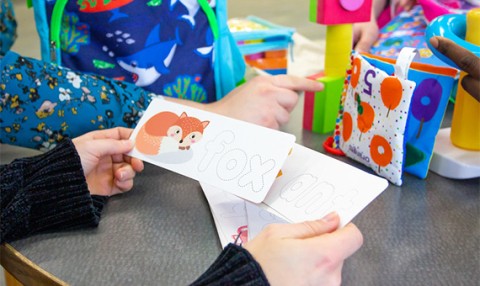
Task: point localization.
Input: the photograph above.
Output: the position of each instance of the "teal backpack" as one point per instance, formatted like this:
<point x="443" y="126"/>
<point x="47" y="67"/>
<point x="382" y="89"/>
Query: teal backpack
<point x="178" y="48"/>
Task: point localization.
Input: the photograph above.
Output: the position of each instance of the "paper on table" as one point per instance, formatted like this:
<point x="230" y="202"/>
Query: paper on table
<point x="236" y="156"/>
<point x="229" y="214"/>
<point x="258" y="217"/>
<point x="313" y="184"/>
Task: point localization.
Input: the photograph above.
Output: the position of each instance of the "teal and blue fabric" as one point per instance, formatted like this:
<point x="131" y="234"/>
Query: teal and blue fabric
<point x="42" y="103"/>
<point x="8" y="26"/>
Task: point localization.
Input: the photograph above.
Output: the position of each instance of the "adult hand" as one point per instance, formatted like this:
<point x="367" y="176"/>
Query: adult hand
<point x="107" y="170"/>
<point x="465" y="60"/>
<point x="309" y="253"/>
<point x="264" y="100"/>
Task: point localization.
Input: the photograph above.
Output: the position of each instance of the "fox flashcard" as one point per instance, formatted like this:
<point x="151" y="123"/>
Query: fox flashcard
<point x="167" y="132"/>
<point x="239" y="157"/>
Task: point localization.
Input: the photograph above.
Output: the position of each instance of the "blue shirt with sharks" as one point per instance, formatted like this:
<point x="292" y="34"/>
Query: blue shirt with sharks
<point x="163" y="46"/>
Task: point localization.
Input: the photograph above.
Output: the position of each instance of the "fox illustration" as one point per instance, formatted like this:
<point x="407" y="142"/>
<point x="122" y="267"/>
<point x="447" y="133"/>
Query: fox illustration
<point x="168" y="132"/>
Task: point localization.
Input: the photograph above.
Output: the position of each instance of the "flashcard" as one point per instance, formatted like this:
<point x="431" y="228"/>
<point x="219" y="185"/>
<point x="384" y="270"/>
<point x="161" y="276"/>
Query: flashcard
<point x="312" y="185"/>
<point x="233" y="155"/>
<point x="258" y="217"/>
<point x="228" y="213"/>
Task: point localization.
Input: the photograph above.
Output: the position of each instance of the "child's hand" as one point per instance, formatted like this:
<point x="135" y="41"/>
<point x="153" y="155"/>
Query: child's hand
<point x="365" y="35"/>
<point x="107" y="170"/>
<point x="264" y="100"/>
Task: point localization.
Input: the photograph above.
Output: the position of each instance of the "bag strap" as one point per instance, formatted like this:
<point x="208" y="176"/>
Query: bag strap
<point x="55" y="26"/>
<point x="212" y="18"/>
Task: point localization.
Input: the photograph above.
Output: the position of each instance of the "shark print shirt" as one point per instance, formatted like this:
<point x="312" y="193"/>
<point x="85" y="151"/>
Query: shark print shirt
<point x="163" y="46"/>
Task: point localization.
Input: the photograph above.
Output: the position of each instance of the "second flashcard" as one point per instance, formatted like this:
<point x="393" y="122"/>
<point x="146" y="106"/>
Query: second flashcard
<point x="236" y="156"/>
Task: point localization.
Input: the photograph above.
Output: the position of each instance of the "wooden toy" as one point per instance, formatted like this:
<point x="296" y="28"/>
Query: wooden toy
<point x="332" y="12"/>
<point x="309" y="102"/>
<point x="321" y="108"/>
<point x="326" y="103"/>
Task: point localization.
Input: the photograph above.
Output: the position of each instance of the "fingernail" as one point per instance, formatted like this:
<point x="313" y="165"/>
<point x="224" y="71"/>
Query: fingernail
<point x="330" y="217"/>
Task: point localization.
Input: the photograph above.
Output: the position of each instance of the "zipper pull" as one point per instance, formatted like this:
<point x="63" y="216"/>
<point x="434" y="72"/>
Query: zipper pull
<point x="53" y="52"/>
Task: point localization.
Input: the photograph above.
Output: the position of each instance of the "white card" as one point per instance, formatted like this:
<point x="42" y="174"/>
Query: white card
<point x="258" y="217"/>
<point x="229" y="214"/>
<point x="235" y="156"/>
<point x="313" y="185"/>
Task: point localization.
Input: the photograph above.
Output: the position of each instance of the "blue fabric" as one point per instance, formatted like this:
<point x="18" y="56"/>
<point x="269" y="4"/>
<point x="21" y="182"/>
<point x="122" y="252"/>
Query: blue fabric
<point x="171" y="41"/>
<point x="229" y="65"/>
<point x="407" y="29"/>
<point x="41" y="103"/>
<point x="427" y="108"/>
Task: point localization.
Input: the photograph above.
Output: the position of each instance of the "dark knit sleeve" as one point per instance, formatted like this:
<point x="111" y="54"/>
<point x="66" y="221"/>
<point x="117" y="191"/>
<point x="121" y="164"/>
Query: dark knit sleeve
<point x="234" y="266"/>
<point x="45" y="193"/>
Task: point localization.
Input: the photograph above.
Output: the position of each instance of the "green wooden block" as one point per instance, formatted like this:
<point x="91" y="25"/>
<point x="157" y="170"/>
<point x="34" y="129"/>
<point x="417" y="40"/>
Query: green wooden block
<point x="313" y="11"/>
<point x="327" y="103"/>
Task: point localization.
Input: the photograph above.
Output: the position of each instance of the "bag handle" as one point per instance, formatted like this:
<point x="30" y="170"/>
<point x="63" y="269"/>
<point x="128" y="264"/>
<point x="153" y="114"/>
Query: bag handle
<point x="212" y="18"/>
<point x="55" y="26"/>
<point x="404" y="60"/>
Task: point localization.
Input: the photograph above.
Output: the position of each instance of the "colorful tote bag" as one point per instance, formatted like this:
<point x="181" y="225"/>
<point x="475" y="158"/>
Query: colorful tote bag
<point x="374" y="114"/>
<point x="178" y="48"/>
<point x="430" y="98"/>
<point x="410" y="135"/>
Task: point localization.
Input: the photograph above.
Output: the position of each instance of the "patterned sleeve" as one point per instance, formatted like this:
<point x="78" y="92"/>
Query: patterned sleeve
<point x="45" y="193"/>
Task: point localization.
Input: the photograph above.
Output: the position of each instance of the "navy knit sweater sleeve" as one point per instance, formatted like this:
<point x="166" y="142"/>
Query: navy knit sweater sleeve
<point x="234" y="266"/>
<point x="47" y="192"/>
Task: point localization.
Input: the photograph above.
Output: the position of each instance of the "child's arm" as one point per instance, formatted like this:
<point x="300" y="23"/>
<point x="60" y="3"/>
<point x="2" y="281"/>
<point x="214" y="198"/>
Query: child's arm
<point x="366" y="33"/>
<point x="263" y="100"/>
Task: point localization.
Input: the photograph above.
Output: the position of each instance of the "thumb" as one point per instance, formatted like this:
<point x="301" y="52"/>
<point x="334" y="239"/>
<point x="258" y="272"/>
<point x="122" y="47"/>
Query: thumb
<point x="105" y="147"/>
<point x="314" y="228"/>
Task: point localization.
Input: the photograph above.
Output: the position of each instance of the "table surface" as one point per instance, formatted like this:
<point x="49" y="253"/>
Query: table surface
<point x="162" y="232"/>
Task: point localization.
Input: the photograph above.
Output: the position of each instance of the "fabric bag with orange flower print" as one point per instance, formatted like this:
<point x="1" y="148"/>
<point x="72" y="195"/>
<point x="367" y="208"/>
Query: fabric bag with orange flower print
<point x="373" y="115"/>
